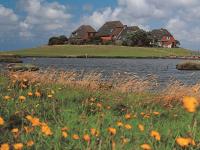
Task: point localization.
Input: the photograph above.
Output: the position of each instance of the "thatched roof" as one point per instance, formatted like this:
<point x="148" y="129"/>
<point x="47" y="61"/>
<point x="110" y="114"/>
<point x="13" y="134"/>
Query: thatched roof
<point x="82" y="31"/>
<point x="159" y="33"/>
<point x="109" y="28"/>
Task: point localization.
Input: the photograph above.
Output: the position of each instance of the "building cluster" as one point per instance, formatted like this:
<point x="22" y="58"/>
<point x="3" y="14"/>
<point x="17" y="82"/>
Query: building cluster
<point x="116" y="32"/>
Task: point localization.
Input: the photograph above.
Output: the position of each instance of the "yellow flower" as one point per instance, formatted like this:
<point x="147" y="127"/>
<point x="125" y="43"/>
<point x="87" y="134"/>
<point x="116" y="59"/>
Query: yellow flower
<point x="30" y="94"/>
<point x="4" y="146"/>
<point x="30" y="143"/>
<point x="7" y="98"/>
<point x="46" y="130"/>
<point x="112" y="131"/>
<point x="22" y="98"/>
<point x="119" y="124"/>
<point x="75" y="137"/>
<point x="18" y="146"/>
<point x="50" y="96"/>
<point x="94" y="132"/>
<point x="185" y="142"/>
<point x="1" y="121"/>
<point x="190" y="104"/>
<point x="15" y="130"/>
<point x="86" y="138"/>
<point x="128" y="126"/>
<point x="145" y="147"/>
<point x="64" y="134"/>
<point x="128" y="116"/>
<point x="141" y="127"/>
<point x="155" y="135"/>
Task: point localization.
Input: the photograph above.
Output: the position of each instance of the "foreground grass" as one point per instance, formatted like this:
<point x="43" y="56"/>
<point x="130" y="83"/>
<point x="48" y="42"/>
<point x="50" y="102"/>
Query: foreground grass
<point x="65" y="112"/>
<point x="100" y="51"/>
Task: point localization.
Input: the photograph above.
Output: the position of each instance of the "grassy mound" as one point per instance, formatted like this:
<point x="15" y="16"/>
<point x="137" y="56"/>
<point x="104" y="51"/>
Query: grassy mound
<point x="100" y="51"/>
<point x="189" y="65"/>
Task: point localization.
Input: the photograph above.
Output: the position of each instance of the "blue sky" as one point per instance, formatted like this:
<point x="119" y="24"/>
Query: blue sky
<point x="29" y="23"/>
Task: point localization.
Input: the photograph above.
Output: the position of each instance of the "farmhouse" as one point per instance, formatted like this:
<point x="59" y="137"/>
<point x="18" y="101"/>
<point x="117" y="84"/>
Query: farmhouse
<point x="162" y="38"/>
<point x="110" y="31"/>
<point x="83" y="34"/>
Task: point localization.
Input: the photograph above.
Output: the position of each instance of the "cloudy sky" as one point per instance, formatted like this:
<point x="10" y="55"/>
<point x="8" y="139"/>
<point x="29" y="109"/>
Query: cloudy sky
<point x="29" y="23"/>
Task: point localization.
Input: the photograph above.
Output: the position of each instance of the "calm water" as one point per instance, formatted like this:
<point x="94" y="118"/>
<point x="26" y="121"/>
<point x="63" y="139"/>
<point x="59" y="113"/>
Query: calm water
<point x="164" y="69"/>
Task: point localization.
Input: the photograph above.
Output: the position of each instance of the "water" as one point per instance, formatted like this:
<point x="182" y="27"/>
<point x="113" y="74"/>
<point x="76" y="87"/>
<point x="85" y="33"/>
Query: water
<point x="164" y="69"/>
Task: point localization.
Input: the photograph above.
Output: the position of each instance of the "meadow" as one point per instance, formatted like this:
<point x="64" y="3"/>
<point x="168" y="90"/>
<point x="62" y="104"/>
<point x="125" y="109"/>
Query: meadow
<point x="100" y="51"/>
<point x="67" y="110"/>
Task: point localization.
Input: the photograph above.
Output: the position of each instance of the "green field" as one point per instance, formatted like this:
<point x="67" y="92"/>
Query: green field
<point x="39" y="115"/>
<point x="100" y="51"/>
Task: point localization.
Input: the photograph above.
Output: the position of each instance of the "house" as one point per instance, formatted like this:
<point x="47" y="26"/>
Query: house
<point x="162" y="38"/>
<point x="110" y="31"/>
<point x="124" y="33"/>
<point x="82" y="35"/>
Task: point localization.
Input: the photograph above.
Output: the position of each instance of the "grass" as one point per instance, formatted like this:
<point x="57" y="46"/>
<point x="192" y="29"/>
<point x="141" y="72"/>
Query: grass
<point x="100" y="51"/>
<point x="79" y="109"/>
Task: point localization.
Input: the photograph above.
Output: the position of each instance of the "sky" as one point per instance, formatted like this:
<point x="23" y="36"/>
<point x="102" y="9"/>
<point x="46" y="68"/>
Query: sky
<point x="30" y="23"/>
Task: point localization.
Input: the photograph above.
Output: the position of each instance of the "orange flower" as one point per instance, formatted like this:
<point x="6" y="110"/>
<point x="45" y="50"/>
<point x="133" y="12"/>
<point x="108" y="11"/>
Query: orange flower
<point x="190" y="104"/>
<point x="64" y="134"/>
<point x="75" y="137"/>
<point x="155" y="135"/>
<point x="46" y="130"/>
<point x="99" y="105"/>
<point x="141" y="127"/>
<point x="185" y="142"/>
<point x="112" y="131"/>
<point x="94" y="132"/>
<point x="18" y="146"/>
<point x="30" y="143"/>
<point x="1" y="121"/>
<point x="22" y="98"/>
<point x="86" y="138"/>
<point x="50" y="96"/>
<point x="156" y="113"/>
<point x="30" y="94"/>
<point x="7" y="98"/>
<point x="28" y="129"/>
<point x="37" y="94"/>
<point x="65" y="129"/>
<point x="15" y="130"/>
<point x="35" y="121"/>
<point x="128" y="126"/>
<point x="146" y="147"/>
<point x="119" y="124"/>
<point x="4" y="146"/>
<point x="128" y="116"/>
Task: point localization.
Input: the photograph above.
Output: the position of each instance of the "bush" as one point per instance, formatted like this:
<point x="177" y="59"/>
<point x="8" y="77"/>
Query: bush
<point x="61" y="40"/>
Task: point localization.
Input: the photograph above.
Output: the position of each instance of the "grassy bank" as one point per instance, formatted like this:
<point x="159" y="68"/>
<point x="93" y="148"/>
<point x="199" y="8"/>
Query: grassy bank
<point x="40" y="113"/>
<point x="100" y="51"/>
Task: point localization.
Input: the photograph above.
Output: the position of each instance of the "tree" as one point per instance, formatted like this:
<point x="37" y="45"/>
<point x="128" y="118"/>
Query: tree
<point x="58" y="40"/>
<point x="178" y="43"/>
<point x="138" y="38"/>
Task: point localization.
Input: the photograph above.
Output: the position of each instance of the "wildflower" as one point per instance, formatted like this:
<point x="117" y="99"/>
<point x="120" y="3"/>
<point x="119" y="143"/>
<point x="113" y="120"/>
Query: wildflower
<point x="22" y="98"/>
<point x="5" y="146"/>
<point x="99" y="105"/>
<point x="185" y="142"/>
<point x="15" y="130"/>
<point x="141" y="127"/>
<point x="108" y="107"/>
<point x="128" y="126"/>
<point x="30" y="94"/>
<point x="146" y="147"/>
<point x="52" y="92"/>
<point x="125" y="140"/>
<point x="50" y="96"/>
<point x="1" y="121"/>
<point x="146" y="116"/>
<point x="37" y="94"/>
<point x="46" y="130"/>
<point x="86" y="138"/>
<point x="142" y="113"/>
<point x="112" y="131"/>
<point x="119" y="124"/>
<point x="75" y="137"/>
<point x="30" y="143"/>
<point x="94" y="132"/>
<point x="156" y="113"/>
<point x="65" y="129"/>
<point x="190" y="104"/>
<point x="35" y="121"/>
<point x="28" y="129"/>
<point x="18" y="146"/>
<point x="64" y="134"/>
<point x="7" y="98"/>
<point x="128" y="116"/>
<point x="155" y="135"/>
